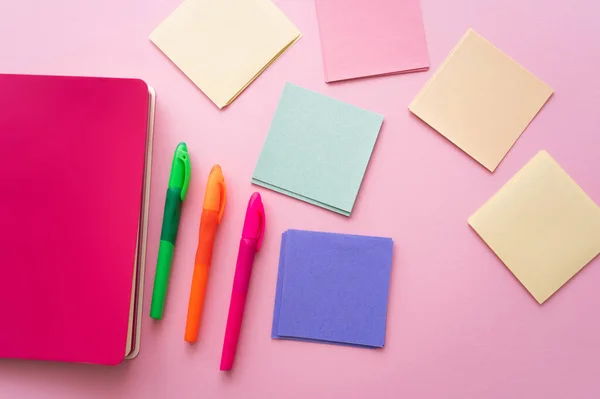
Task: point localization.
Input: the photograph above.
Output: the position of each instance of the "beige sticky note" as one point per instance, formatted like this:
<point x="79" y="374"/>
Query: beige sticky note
<point x="223" y="45"/>
<point x="542" y="225"/>
<point x="481" y="100"/>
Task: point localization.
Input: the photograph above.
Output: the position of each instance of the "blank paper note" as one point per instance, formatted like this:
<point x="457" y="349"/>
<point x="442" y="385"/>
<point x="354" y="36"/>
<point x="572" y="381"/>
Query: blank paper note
<point x="481" y="100"/>
<point x="333" y="288"/>
<point x="371" y="37"/>
<point x="542" y="225"/>
<point x="223" y="45"/>
<point x="317" y="149"/>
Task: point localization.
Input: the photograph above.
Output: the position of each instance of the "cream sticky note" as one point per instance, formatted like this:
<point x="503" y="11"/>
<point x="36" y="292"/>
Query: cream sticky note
<point x="223" y="45"/>
<point x="542" y="225"/>
<point x="481" y="100"/>
<point x="390" y="40"/>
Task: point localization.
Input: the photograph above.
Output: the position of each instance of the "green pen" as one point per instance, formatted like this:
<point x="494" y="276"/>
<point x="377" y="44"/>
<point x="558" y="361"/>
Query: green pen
<point x="179" y="180"/>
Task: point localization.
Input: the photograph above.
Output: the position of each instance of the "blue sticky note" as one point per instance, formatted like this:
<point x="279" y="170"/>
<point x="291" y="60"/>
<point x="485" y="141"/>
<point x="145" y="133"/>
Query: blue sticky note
<point x="317" y="149"/>
<point x="332" y="288"/>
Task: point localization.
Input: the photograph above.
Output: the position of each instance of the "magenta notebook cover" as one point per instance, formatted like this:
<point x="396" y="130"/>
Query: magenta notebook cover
<point x="72" y="157"/>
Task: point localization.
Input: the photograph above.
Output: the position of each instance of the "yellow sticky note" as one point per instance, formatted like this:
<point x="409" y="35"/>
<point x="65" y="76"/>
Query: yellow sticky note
<point x="223" y="45"/>
<point x="542" y="225"/>
<point x="481" y="100"/>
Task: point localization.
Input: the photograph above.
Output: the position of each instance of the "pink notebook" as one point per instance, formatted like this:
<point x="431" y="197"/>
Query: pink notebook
<point x="362" y="38"/>
<point x="74" y="177"/>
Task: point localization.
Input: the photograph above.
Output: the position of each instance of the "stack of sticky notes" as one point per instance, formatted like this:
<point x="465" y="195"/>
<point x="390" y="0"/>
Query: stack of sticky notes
<point x="317" y="149"/>
<point x="333" y="288"/>
<point x="481" y="100"/>
<point x="542" y="225"/>
<point x="223" y="45"/>
<point x="362" y="38"/>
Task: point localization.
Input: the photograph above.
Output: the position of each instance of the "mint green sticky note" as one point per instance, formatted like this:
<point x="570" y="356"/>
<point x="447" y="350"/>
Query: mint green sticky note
<point x="317" y="149"/>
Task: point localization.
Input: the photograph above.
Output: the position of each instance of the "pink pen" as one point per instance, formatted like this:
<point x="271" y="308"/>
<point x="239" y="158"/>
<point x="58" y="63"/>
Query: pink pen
<point x="252" y="235"/>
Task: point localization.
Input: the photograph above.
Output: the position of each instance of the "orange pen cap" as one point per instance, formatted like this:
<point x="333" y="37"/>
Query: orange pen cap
<point x="216" y="192"/>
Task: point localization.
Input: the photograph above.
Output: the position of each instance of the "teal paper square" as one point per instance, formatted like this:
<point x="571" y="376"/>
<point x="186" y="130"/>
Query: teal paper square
<point x="317" y="149"/>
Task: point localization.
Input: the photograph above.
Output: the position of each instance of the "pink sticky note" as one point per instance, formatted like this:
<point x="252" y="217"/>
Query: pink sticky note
<point x="362" y="38"/>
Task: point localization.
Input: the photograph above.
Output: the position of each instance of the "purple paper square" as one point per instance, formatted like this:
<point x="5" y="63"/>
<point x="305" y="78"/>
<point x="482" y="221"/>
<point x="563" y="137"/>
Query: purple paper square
<point x="332" y="288"/>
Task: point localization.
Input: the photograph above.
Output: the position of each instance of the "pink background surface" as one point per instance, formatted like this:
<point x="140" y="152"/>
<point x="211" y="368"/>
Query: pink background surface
<point x="459" y="324"/>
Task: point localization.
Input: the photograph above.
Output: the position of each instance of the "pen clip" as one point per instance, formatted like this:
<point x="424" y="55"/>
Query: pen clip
<point x="184" y="157"/>
<point x="254" y="222"/>
<point x="261" y="219"/>
<point x="222" y="198"/>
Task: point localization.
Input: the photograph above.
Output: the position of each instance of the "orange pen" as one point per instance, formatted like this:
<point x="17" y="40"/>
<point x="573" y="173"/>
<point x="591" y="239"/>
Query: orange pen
<point x="212" y="212"/>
